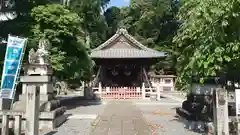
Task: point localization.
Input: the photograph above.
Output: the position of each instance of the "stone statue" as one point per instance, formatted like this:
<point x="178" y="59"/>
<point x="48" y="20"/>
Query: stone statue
<point x="60" y="87"/>
<point x="31" y="56"/>
<point x="41" y="55"/>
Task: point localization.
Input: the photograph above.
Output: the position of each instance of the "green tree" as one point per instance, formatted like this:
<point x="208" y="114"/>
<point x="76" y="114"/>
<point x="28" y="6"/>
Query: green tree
<point x="154" y="23"/>
<point x="208" y="39"/>
<point x="113" y="17"/>
<point x="18" y="23"/>
<point x="94" y="23"/>
<point x="61" y="27"/>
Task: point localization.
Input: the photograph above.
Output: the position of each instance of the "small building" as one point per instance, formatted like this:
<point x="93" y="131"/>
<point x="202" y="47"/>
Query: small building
<point x="122" y="65"/>
<point x="166" y="81"/>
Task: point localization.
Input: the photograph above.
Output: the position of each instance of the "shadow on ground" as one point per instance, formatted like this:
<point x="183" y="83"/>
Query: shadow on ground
<point x="163" y="97"/>
<point x="74" y="102"/>
<point x="178" y="119"/>
<point x="51" y="133"/>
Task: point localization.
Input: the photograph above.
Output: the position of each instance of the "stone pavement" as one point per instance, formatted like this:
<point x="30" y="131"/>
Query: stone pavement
<point x="121" y="118"/>
<point x="162" y="119"/>
<point x="135" y="117"/>
<point x="81" y="114"/>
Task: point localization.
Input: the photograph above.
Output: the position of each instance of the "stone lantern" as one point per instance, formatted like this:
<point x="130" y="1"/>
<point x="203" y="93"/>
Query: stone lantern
<point x="38" y="73"/>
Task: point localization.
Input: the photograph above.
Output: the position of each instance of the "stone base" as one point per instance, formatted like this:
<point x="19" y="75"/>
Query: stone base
<point x="45" y="123"/>
<point x="21" y="106"/>
<point x="51" y="113"/>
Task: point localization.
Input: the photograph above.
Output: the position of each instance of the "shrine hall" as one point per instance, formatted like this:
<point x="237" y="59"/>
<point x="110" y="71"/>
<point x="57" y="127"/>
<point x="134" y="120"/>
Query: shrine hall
<point x="122" y="61"/>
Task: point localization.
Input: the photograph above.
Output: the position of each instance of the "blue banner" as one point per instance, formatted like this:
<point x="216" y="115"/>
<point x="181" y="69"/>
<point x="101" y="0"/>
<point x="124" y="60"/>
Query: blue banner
<point x="12" y="65"/>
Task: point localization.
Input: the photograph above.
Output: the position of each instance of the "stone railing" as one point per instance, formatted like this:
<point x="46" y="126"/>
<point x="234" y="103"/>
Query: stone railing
<point x="6" y="115"/>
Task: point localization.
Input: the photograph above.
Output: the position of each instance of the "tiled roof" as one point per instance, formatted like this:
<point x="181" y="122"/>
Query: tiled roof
<point x="140" y="52"/>
<point x="126" y="53"/>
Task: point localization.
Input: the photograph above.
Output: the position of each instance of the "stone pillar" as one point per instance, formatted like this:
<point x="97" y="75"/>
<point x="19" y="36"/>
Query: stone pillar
<point x="5" y="124"/>
<point x="32" y="109"/>
<point x="220" y="112"/>
<point x="17" y="125"/>
<point x="143" y="91"/>
<point x="46" y="89"/>
<point x="33" y="84"/>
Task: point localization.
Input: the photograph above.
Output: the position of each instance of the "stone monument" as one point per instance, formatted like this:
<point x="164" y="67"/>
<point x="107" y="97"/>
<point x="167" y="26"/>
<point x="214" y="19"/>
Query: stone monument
<point x="51" y="113"/>
<point x="32" y="104"/>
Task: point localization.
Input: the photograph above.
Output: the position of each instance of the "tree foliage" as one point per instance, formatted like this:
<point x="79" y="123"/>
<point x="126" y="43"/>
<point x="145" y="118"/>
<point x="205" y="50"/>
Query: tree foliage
<point x="150" y="21"/>
<point x="93" y="24"/>
<point x="18" y="25"/>
<point x="153" y="23"/>
<point x="62" y="28"/>
<point x="113" y="18"/>
<point x="208" y="39"/>
<point x="202" y="38"/>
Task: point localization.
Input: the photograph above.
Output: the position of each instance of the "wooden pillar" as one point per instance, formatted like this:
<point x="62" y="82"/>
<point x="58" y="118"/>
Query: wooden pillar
<point x="141" y="74"/>
<point x="17" y="125"/>
<point x="173" y="87"/>
<point x="101" y="73"/>
<point x="5" y="124"/>
<point x="100" y="87"/>
<point x="158" y="91"/>
<point x="220" y="112"/>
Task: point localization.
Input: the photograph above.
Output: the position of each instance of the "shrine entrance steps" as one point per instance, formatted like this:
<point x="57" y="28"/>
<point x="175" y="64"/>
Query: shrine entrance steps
<point x="121" y="93"/>
<point x="121" y="118"/>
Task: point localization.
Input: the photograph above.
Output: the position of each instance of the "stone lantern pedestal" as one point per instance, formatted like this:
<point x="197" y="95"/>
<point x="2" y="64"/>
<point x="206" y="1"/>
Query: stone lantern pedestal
<point x="51" y="113"/>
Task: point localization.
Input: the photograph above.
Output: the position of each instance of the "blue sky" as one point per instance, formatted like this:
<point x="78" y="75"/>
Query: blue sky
<point x="119" y="3"/>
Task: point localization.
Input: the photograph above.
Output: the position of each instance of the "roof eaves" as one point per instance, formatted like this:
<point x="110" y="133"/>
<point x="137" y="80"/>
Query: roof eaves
<point x="128" y="36"/>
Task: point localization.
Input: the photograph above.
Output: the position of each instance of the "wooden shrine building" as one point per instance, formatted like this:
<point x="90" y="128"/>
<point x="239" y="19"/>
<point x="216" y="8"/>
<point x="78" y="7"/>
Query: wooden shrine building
<point x="123" y="62"/>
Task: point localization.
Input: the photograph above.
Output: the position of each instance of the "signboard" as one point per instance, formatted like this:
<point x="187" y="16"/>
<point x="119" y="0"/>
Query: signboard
<point x="12" y="65"/>
<point x="237" y="99"/>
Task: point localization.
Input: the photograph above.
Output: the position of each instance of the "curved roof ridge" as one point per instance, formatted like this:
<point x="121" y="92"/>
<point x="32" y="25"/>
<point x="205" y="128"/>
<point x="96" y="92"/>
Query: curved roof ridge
<point x="125" y="33"/>
<point x="142" y="52"/>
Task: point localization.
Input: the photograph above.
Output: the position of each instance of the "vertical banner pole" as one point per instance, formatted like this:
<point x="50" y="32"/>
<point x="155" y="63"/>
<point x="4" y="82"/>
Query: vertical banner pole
<point x="12" y="65"/>
<point x="18" y="72"/>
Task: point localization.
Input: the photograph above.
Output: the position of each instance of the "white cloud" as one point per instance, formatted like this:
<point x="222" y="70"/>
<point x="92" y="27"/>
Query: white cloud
<point x="126" y="1"/>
